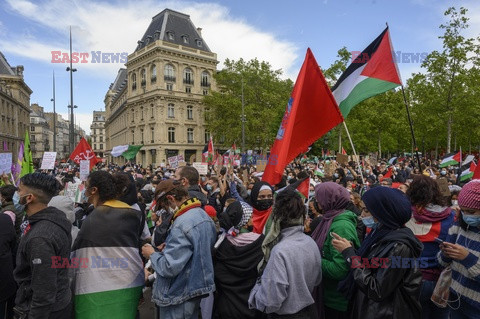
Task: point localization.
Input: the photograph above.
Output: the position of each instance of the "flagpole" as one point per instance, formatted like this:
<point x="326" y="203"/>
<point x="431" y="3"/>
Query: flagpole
<point x="411" y="128"/>
<point x="459" y="168"/>
<point x="353" y="148"/>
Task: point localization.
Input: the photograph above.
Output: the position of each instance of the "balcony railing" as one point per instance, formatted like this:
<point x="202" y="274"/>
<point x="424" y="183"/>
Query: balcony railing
<point x="169" y="78"/>
<point x="188" y="81"/>
<point x="153" y="79"/>
<point x="205" y="84"/>
<point x="134" y="86"/>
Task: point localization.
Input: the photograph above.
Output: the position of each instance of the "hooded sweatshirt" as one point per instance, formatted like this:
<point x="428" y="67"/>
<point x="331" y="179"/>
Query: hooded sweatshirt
<point x="42" y="288"/>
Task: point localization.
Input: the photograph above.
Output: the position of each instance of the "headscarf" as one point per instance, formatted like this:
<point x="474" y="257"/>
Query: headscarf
<point x="333" y="199"/>
<point x="233" y="219"/>
<point x="254" y="194"/>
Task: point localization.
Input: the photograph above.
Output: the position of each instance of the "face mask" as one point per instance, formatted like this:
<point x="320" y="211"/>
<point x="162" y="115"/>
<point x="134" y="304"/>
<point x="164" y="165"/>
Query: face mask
<point x="455" y="202"/>
<point x="249" y="191"/>
<point x="16" y="202"/>
<point x="335" y="175"/>
<point x="264" y="204"/>
<point x="289" y="177"/>
<point x="209" y="187"/>
<point x="311" y="194"/>
<point x="321" y="167"/>
<point x="367" y="171"/>
<point x="153" y="189"/>
<point x="369" y="222"/>
<point x="472" y="220"/>
<point x="443" y="173"/>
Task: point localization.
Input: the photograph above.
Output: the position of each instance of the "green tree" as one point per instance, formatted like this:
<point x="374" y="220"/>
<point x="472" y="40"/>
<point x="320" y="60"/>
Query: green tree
<point x="265" y="97"/>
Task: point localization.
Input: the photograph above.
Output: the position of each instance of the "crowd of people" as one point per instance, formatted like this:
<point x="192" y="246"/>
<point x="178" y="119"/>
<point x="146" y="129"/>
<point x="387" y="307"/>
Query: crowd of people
<point x="377" y="240"/>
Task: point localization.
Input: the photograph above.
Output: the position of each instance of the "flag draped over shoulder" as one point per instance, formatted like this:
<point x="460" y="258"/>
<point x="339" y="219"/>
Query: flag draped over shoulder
<point x="311" y="112"/>
<point x="83" y="151"/>
<point x="450" y="159"/>
<point x="27" y="160"/>
<point x="109" y="281"/>
<point x="372" y="72"/>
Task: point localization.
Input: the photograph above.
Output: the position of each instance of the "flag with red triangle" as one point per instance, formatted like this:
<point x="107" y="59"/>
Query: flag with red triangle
<point x="476" y="173"/>
<point x="372" y="72"/>
<point x="343" y="151"/>
<point x="451" y="159"/>
<point x="311" y="105"/>
<point x="388" y="174"/>
<point x="84" y="151"/>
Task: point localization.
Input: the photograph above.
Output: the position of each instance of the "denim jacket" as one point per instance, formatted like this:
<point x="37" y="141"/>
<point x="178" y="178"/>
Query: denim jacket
<point x="184" y="268"/>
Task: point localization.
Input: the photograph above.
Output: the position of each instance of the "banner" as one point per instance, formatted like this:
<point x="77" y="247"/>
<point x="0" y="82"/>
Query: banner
<point x="5" y="163"/>
<point x="48" y="161"/>
<point x="174" y="161"/>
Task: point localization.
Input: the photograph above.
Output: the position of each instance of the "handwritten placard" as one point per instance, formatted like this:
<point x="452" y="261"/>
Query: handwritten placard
<point x="202" y="168"/>
<point x="48" y="161"/>
<point x="5" y="163"/>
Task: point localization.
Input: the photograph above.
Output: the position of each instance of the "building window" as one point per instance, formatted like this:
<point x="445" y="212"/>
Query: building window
<point x="153" y="72"/>
<point x="188" y="89"/>
<point x="101" y="146"/>
<point x="190" y="112"/>
<point x="171" y="35"/>
<point x="190" y="135"/>
<point x="32" y="128"/>
<point x="169" y="74"/>
<point x="134" y="81"/>
<point x="205" y="92"/>
<point x="185" y="39"/>
<point x="133" y="137"/>
<point x="94" y="139"/>
<point x="171" y="135"/>
<point x="153" y="110"/>
<point x="141" y="110"/>
<point x="143" y="75"/>
<point x="205" y="79"/>
<point x="141" y="135"/>
<point x="207" y="137"/>
<point x="152" y="134"/>
<point x="101" y="138"/>
<point x="187" y="76"/>
<point x="171" y="111"/>
<point x="199" y="42"/>
<point x="169" y="86"/>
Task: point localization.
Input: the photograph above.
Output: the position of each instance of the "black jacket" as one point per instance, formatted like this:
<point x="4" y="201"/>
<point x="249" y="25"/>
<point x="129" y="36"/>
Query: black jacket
<point x="388" y="292"/>
<point x="195" y="191"/>
<point x="43" y="288"/>
<point x="8" y="243"/>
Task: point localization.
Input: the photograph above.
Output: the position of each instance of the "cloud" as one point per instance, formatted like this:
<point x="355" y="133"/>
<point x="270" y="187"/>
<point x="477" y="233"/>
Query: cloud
<point x="117" y="26"/>
<point x="82" y="119"/>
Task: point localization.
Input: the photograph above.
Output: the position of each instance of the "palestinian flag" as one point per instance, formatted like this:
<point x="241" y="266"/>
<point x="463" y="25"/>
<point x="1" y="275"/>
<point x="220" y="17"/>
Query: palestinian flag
<point x="372" y="72"/>
<point x="110" y="277"/>
<point x="467" y="171"/>
<point x="318" y="172"/>
<point x="301" y="186"/>
<point x="450" y="159"/>
<point x="127" y="151"/>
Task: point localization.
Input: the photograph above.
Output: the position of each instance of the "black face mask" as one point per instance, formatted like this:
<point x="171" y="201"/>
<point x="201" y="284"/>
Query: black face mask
<point x="264" y="204"/>
<point x="250" y="228"/>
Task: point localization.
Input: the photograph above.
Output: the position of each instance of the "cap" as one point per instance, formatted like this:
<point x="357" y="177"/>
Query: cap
<point x="165" y="187"/>
<point x="469" y="196"/>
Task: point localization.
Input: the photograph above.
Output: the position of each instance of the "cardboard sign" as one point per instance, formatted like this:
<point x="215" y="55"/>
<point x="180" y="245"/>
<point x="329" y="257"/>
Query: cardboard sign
<point x="261" y="164"/>
<point x="84" y="169"/>
<point x="48" y="161"/>
<point x="245" y="176"/>
<point x="236" y="162"/>
<point x="443" y="185"/>
<point x="71" y="190"/>
<point x="5" y="163"/>
<point x="202" y="168"/>
<point x="342" y="159"/>
<point x="173" y="161"/>
<point x="329" y="169"/>
<point x="226" y="160"/>
<point x="372" y="159"/>
<point x="182" y="163"/>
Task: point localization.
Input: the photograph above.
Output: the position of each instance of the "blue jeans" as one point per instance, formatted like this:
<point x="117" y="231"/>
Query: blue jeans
<point x="187" y="310"/>
<point x="429" y="309"/>
<point x="465" y="311"/>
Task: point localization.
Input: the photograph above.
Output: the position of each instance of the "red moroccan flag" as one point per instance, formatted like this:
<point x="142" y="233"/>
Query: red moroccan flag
<point x="311" y="112"/>
<point x="83" y="151"/>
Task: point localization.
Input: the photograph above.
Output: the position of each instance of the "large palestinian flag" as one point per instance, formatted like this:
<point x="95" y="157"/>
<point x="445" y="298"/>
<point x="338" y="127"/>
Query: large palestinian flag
<point x="109" y="277"/>
<point x="450" y="159"/>
<point x="372" y="72"/>
<point x="467" y="171"/>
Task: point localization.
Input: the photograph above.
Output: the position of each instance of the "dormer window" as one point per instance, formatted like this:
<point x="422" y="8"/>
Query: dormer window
<point x="170" y="35"/>
<point x="199" y="42"/>
<point x="185" y="39"/>
<point x="156" y="35"/>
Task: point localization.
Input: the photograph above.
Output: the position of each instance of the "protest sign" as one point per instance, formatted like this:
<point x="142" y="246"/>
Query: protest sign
<point x="48" y="161"/>
<point x="5" y="163"/>
<point x="261" y="164"/>
<point x="202" y="168"/>
<point x="84" y="169"/>
<point x="342" y="159"/>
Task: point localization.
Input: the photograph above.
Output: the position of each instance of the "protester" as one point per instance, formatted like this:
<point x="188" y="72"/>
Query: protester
<point x="333" y="199"/>
<point x="43" y="289"/>
<point x="261" y="199"/>
<point x="189" y="178"/>
<point x="461" y="250"/>
<point x="236" y="258"/>
<point x="111" y="284"/>
<point x="183" y="265"/>
<point x="376" y="290"/>
<point x="292" y="263"/>
<point x="431" y="219"/>
<point x="7" y="206"/>
<point x="8" y="248"/>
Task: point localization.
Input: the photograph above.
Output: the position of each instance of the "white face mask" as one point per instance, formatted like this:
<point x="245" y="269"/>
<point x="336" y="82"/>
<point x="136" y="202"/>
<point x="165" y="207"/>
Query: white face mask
<point x="454" y="202"/>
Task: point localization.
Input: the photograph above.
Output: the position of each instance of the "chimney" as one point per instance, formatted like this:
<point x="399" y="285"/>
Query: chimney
<point x="199" y="30"/>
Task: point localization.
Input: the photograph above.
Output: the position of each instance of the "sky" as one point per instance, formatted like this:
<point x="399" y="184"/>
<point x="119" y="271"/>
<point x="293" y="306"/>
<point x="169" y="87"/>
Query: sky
<point x="275" y="31"/>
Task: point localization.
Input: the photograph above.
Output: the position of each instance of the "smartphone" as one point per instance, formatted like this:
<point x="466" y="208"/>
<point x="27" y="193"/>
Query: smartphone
<point x="438" y="240"/>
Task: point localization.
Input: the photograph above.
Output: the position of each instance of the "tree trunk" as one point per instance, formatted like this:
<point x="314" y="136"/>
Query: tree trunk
<point x="449" y="132"/>
<point x="379" y="145"/>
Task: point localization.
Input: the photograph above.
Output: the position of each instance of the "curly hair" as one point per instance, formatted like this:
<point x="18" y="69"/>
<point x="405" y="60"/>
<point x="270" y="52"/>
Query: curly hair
<point x="109" y="186"/>
<point x="288" y="207"/>
<point x="423" y="191"/>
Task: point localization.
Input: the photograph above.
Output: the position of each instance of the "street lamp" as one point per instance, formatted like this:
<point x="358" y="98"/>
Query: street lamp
<point x="54" y="117"/>
<point x="71" y="70"/>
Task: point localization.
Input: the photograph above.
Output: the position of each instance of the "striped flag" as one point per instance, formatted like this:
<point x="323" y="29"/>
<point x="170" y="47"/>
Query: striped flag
<point x="111" y="283"/>
<point x="468" y="159"/>
<point x="450" y="159"/>
<point x="372" y="72"/>
<point x="467" y="171"/>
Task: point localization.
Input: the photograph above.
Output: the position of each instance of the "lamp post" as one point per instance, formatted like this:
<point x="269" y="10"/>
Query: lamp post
<point x="71" y="70"/>
<point x="243" y="120"/>
<point x="54" y="117"/>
